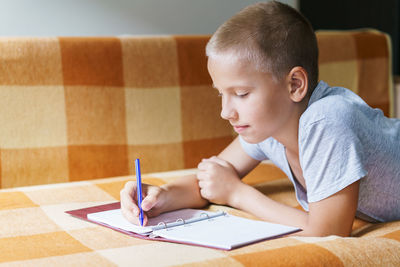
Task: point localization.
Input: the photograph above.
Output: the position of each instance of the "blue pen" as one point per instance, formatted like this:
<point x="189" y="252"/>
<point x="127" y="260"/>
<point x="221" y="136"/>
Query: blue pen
<point x="139" y="190"/>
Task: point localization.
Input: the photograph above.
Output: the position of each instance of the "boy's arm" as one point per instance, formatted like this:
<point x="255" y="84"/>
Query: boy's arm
<point x="331" y="216"/>
<point x="219" y="182"/>
<point x="219" y="176"/>
<point x="185" y="192"/>
<point x="335" y="214"/>
<point x="182" y="193"/>
<point x="238" y="158"/>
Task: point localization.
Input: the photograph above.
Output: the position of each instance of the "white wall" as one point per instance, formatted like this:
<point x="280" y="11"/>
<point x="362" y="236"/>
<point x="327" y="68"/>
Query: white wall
<point x="115" y="17"/>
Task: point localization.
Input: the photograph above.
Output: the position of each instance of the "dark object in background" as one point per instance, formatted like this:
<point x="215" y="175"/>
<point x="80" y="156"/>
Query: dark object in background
<point x="352" y="14"/>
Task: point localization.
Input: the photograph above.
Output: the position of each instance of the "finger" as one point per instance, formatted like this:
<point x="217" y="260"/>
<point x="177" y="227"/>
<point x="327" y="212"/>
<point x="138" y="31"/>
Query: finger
<point x="134" y="218"/>
<point x="145" y="219"/>
<point x="149" y="202"/>
<point x="219" y="161"/>
<point x="129" y="207"/>
<point x="202" y="165"/>
<point x="201" y="184"/>
<point x="206" y="165"/>
<point x="152" y="198"/>
<point x="202" y="175"/>
<point x="127" y="202"/>
<point x="134" y="210"/>
<point x="208" y="159"/>
<point x="130" y="216"/>
<point x="129" y="197"/>
<point x="204" y="193"/>
<point x="130" y="188"/>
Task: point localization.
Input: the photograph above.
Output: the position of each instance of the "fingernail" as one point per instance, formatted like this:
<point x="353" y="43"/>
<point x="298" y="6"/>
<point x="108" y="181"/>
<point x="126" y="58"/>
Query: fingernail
<point x="144" y="205"/>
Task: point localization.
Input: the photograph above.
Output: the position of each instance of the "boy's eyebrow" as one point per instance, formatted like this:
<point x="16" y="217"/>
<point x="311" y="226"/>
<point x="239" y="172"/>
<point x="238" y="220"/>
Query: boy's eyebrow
<point x="232" y="87"/>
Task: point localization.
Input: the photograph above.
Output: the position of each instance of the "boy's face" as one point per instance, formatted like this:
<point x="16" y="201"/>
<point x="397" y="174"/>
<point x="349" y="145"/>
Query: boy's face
<point x="257" y="105"/>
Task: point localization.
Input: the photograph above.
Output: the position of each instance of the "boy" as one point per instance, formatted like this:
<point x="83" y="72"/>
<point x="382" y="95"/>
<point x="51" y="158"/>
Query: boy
<point x="342" y="156"/>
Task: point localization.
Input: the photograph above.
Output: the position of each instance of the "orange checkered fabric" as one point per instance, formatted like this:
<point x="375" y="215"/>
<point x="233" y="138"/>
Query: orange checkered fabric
<point x="361" y="61"/>
<point x="36" y="231"/>
<point x="84" y="108"/>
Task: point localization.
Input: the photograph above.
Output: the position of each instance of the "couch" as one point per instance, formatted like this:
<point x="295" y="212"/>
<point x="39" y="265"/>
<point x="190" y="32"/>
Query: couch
<point x="76" y="111"/>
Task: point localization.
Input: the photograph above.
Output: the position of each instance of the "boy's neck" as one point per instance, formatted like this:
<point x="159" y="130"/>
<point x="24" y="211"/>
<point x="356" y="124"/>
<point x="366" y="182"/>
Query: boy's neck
<point x="289" y="135"/>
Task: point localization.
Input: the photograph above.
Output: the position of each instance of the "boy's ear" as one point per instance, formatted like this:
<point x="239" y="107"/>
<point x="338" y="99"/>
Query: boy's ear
<point x="298" y="83"/>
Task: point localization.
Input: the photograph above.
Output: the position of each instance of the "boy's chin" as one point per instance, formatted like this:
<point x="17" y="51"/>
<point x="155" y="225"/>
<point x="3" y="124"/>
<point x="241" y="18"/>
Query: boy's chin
<point x="253" y="139"/>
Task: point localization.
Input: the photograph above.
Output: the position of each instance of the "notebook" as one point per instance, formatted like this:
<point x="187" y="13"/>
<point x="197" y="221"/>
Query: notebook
<point x="218" y="230"/>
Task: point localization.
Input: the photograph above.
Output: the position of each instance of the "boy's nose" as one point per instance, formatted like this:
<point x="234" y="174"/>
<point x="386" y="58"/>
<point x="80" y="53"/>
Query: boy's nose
<point x="228" y="112"/>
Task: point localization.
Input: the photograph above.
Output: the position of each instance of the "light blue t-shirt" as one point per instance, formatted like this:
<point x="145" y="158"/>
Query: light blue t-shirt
<point x="342" y="140"/>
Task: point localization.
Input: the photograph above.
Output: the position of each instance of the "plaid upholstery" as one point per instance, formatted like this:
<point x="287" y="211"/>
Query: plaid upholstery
<point x="358" y="60"/>
<point x="35" y="231"/>
<point x="84" y="108"/>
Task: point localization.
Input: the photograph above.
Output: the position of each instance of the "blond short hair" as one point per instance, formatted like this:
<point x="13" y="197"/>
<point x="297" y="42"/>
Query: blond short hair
<point x="273" y="36"/>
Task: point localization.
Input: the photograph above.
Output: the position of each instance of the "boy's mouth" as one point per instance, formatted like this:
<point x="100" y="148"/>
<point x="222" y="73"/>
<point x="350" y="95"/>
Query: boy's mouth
<point x="240" y="128"/>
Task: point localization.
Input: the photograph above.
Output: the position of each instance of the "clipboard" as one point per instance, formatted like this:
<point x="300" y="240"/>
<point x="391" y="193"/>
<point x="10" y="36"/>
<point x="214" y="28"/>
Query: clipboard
<point x="218" y="230"/>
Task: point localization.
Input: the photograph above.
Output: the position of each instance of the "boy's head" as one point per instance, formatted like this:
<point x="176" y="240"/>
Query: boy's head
<point x="273" y="37"/>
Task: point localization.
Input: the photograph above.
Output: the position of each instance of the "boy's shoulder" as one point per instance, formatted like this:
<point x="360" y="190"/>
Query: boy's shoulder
<point x="335" y="105"/>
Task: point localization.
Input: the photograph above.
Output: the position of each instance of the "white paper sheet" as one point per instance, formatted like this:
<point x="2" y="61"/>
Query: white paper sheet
<point x="225" y="231"/>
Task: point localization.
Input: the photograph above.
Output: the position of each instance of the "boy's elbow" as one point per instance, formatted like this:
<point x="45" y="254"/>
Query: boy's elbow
<point x="310" y="231"/>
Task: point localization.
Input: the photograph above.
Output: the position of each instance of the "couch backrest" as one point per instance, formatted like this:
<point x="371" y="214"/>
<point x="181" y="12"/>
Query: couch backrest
<point x="361" y="61"/>
<point x="84" y="108"/>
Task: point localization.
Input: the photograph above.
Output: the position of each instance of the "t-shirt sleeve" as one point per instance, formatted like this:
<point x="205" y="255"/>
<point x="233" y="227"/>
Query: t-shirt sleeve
<point x="253" y="150"/>
<point x="331" y="157"/>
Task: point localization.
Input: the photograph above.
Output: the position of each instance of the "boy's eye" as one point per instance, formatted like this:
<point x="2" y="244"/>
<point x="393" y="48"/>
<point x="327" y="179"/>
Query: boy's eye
<point x="242" y="94"/>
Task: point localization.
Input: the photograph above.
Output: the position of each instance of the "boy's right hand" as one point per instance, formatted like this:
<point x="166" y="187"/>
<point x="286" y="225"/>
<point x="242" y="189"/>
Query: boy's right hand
<point x="151" y="203"/>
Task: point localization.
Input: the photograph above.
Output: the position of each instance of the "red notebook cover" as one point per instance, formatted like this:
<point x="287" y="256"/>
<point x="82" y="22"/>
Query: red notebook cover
<point x="82" y="214"/>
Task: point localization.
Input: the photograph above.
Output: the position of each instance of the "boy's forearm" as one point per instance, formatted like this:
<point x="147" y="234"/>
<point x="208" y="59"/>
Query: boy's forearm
<point x="331" y="216"/>
<point x="249" y="199"/>
<point x="183" y="193"/>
